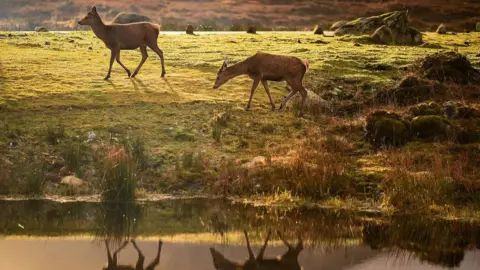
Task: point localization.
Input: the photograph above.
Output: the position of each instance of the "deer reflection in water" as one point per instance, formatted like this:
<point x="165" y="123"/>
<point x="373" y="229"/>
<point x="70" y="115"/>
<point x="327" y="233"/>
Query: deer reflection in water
<point x="112" y="260"/>
<point x="288" y="261"/>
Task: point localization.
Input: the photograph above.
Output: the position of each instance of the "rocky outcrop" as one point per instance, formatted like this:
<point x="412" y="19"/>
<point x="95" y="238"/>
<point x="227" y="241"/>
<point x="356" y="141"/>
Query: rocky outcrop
<point x="337" y="25"/>
<point x="449" y="67"/>
<point x="442" y="29"/>
<point x="433" y="127"/>
<point x="189" y="30"/>
<point x="125" y="17"/>
<point x="252" y="30"/>
<point x="41" y="29"/>
<point x="386" y="129"/>
<point x="318" y="30"/>
<point x="390" y="28"/>
<point x="411" y="90"/>
<point x="427" y="108"/>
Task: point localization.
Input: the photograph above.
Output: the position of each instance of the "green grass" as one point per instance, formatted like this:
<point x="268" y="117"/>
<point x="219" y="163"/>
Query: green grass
<point x="185" y="145"/>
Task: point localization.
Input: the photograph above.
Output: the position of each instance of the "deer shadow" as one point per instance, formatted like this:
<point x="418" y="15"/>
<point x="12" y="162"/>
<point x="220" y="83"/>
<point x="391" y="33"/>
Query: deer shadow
<point x="112" y="260"/>
<point x="287" y="261"/>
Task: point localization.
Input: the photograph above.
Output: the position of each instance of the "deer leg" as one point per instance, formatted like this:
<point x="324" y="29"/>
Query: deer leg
<point x="250" y="252"/>
<point x="141" y="258"/>
<point x="303" y="92"/>
<point x="264" y="247"/>
<point x="113" y="55"/>
<point x="267" y="89"/>
<point x="290" y="247"/>
<point x="143" y="49"/>
<point x="157" y="50"/>
<point x="254" y="87"/>
<point x="156" y="261"/>
<point x="121" y="64"/>
<point x="111" y="263"/>
<point x="118" y="250"/>
<point x="284" y="101"/>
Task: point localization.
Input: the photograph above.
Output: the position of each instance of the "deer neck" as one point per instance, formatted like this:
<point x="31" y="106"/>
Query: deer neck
<point x="99" y="29"/>
<point x="238" y="69"/>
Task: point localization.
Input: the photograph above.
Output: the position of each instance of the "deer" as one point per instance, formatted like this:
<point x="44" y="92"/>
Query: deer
<point x="287" y="261"/>
<point x="112" y="261"/>
<point x="129" y="36"/>
<point x="264" y="67"/>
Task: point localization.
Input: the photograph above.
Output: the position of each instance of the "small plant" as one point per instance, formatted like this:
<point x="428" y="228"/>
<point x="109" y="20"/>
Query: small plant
<point x="119" y="176"/>
<point x="136" y="148"/>
<point x="75" y="156"/>
<point x="55" y="134"/>
<point x="33" y="176"/>
<point x="217" y="130"/>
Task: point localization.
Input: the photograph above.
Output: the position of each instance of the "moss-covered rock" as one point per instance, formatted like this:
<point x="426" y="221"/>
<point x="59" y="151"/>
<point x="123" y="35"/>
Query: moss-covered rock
<point x="389" y="28"/>
<point x="430" y="127"/>
<point x="427" y="108"/>
<point x="126" y="17"/>
<point x="411" y="90"/>
<point x="252" y="30"/>
<point x="457" y="110"/>
<point x="449" y="67"/>
<point x="337" y="25"/>
<point x="442" y="29"/>
<point x="386" y="129"/>
<point x="189" y="30"/>
<point x="318" y="30"/>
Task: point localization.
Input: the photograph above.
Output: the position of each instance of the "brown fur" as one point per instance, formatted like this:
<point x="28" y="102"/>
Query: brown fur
<point x="125" y="37"/>
<point x="112" y="261"/>
<point x="288" y="261"/>
<point x="263" y="67"/>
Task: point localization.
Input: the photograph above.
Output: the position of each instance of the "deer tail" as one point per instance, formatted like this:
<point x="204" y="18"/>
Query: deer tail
<point x="307" y="65"/>
<point x="157" y="28"/>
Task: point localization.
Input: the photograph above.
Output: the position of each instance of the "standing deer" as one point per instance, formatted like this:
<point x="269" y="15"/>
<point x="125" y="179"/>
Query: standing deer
<point x="125" y="37"/>
<point x="288" y="261"/>
<point x="263" y="67"/>
<point x="112" y="261"/>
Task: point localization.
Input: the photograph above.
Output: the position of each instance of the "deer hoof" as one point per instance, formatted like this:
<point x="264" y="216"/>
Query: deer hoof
<point x="133" y="75"/>
<point x="107" y="77"/>
<point x="129" y="74"/>
<point x="247" y="108"/>
<point x="273" y="108"/>
<point x="163" y="74"/>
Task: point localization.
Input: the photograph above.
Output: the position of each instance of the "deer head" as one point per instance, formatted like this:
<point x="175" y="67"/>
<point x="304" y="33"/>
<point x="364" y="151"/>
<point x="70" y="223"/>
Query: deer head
<point x="222" y="75"/>
<point x="91" y="18"/>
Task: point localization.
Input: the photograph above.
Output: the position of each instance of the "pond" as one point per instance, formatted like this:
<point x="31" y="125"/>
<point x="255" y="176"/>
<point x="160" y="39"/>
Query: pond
<point x="212" y="234"/>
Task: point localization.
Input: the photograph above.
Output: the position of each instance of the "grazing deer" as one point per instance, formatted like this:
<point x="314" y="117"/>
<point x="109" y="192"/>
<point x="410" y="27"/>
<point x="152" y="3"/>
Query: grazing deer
<point x="263" y="67"/>
<point x="288" y="261"/>
<point x="125" y="37"/>
<point x="112" y="261"/>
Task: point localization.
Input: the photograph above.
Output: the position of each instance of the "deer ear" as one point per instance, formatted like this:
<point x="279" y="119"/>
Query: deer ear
<point x="94" y="9"/>
<point x="225" y="65"/>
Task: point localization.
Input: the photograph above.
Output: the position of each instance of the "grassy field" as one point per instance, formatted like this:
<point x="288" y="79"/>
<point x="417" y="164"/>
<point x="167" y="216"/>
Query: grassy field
<point x="200" y="140"/>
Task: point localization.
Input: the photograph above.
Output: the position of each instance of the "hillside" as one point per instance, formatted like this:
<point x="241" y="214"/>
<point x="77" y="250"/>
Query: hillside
<point x="222" y="15"/>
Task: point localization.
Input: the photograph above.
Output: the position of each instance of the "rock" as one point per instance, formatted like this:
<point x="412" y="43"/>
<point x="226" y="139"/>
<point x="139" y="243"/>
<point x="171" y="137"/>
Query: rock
<point x="456" y="110"/>
<point x="314" y="103"/>
<point x="430" y="127"/>
<point x="189" y="30"/>
<point x="468" y="135"/>
<point x="125" y="17"/>
<point x="41" y="29"/>
<point x="64" y="171"/>
<point x="318" y="30"/>
<point x="442" y="29"/>
<point x="384" y="128"/>
<point x="388" y="28"/>
<point x="477" y="27"/>
<point x="47" y="43"/>
<point x="383" y="35"/>
<point x="90" y="48"/>
<point x="337" y="25"/>
<point x="411" y="90"/>
<point x="252" y="30"/>
<point x="428" y="108"/>
<point x="72" y="181"/>
<point x="449" y="67"/>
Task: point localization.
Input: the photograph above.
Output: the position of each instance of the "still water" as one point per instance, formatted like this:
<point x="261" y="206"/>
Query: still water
<point x="212" y="234"/>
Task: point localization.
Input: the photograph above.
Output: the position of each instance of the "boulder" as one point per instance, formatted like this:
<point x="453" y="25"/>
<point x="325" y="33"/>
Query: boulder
<point x="386" y="129"/>
<point x="449" y="67"/>
<point x="72" y="181"/>
<point x="125" y="17"/>
<point x="383" y="35"/>
<point x="41" y="29"/>
<point x="430" y="127"/>
<point x="318" y="30"/>
<point x="427" y="108"/>
<point x="477" y="27"/>
<point x="252" y="30"/>
<point x="442" y="29"/>
<point x="314" y="104"/>
<point x="337" y="25"/>
<point x="388" y="28"/>
<point x="457" y="110"/>
<point x="189" y="30"/>
<point x="411" y="90"/>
